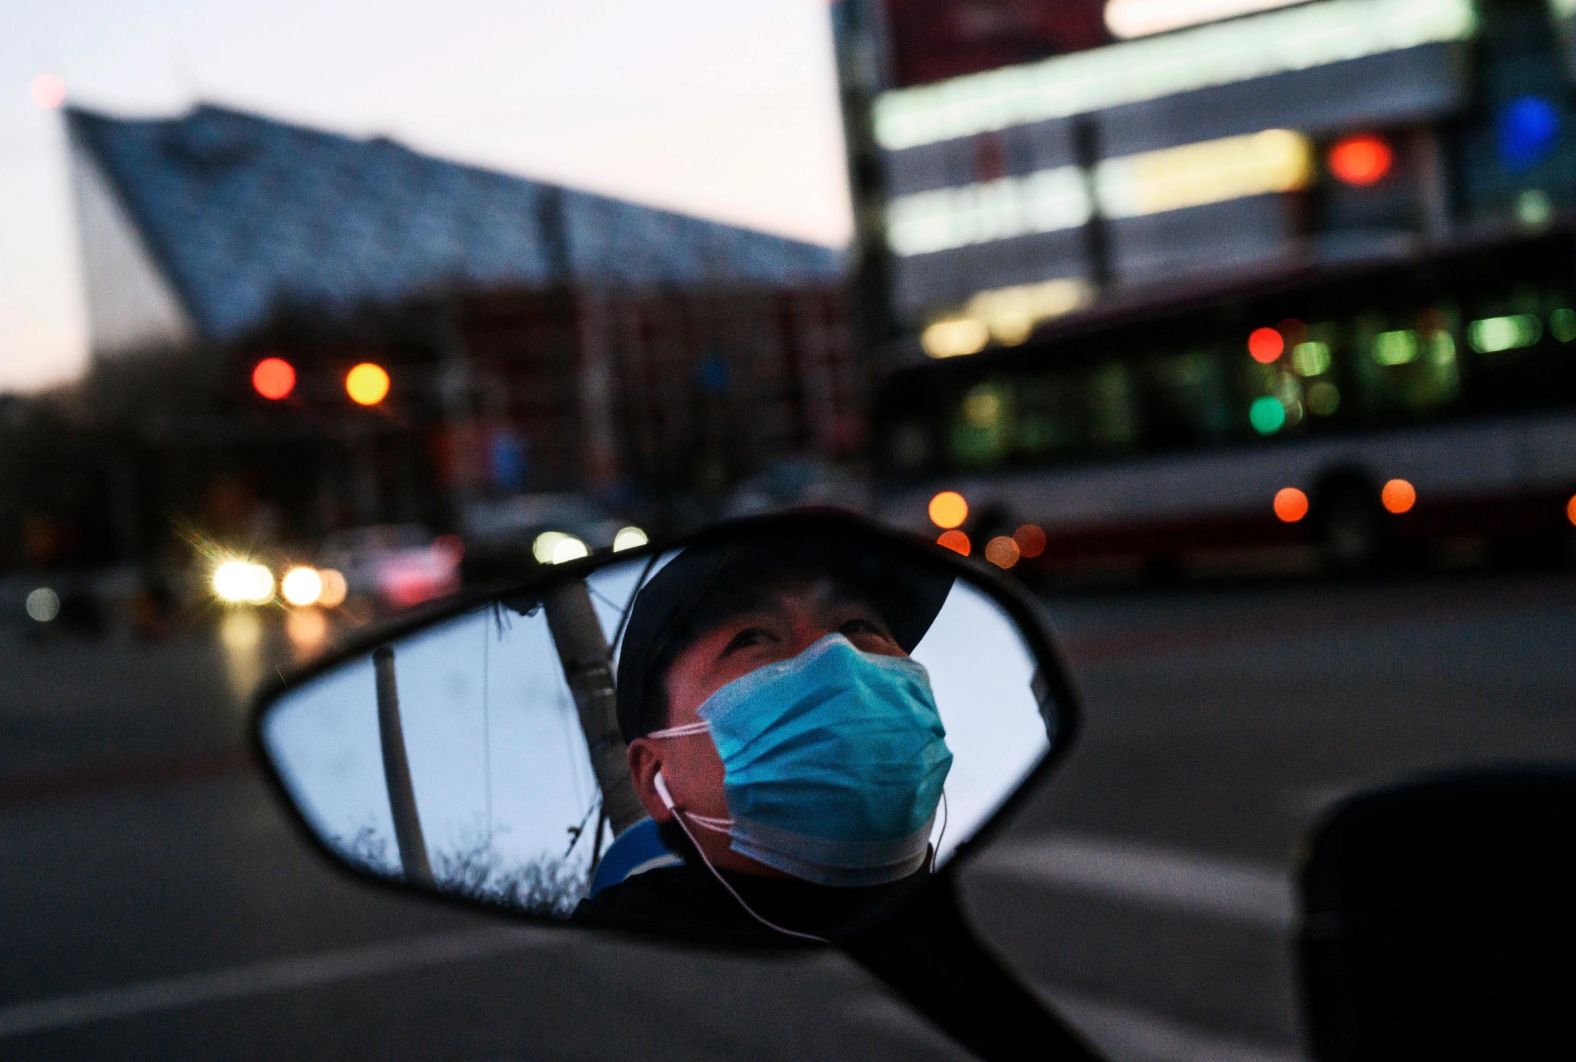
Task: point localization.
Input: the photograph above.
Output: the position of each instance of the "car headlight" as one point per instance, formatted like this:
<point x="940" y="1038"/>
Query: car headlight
<point x="301" y="586"/>
<point x="243" y="582"/>
<point x="557" y="547"/>
<point x="629" y="538"/>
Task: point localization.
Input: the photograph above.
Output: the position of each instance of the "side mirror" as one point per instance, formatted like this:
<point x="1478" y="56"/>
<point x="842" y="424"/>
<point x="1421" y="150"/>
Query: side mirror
<point x="757" y="736"/>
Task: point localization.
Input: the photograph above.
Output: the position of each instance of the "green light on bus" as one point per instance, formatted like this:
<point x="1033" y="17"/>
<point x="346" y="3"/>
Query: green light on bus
<point x="982" y="408"/>
<point x="1267" y="415"/>
<point x="1323" y="398"/>
<point x="1311" y="358"/>
<point x="1562" y="323"/>
<point x="1534" y="208"/>
<point x="1494" y="334"/>
<point x="1396" y="348"/>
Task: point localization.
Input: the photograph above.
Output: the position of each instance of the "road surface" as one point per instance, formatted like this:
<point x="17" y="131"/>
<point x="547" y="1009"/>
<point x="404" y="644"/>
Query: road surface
<point x="158" y="905"/>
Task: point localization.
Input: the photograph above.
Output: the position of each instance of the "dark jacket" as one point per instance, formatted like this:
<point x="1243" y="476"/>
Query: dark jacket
<point x="687" y="901"/>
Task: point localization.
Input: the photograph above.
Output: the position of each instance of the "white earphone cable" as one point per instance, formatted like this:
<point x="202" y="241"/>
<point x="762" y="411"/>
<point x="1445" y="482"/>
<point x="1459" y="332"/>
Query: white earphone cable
<point x="705" y="820"/>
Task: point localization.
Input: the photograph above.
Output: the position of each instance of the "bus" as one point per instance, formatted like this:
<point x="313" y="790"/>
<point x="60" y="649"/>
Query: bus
<point x="1357" y="413"/>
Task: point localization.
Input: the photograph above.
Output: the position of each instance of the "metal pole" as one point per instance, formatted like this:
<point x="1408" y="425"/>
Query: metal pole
<point x="596" y="379"/>
<point x="1433" y="184"/>
<point x="587" y="662"/>
<point x="396" y="772"/>
<point x="859" y="47"/>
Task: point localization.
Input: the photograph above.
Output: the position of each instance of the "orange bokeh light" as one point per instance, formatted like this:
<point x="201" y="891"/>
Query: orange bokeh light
<point x="273" y="378"/>
<point x="1265" y="345"/>
<point x="1030" y="539"/>
<point x="1002" y="551"/>
<point x="1398" y="496"/>
<point x="1570" y="510"/>
<point x="956" y="541"/>
<point x="948" y="509"/>
<point x="1361" y="160"/>
<point x="367" y="384"/>
<point x="1291" y="505"/>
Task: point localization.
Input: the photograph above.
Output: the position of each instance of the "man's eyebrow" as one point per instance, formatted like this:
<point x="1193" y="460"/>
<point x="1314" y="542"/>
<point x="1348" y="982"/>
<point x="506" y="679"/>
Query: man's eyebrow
<point x="742" y="613"/>
<point x="843" y="594"/>
<point x="768" y="602"/>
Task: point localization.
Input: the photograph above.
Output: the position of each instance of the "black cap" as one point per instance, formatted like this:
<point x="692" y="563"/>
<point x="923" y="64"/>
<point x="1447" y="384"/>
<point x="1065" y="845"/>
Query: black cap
<point x="682" y="599"/>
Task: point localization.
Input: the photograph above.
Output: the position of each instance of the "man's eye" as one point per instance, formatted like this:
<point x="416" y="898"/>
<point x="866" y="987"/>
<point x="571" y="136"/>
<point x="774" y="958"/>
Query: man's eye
<point x="746" y="638"/>
<point x="868" y="634"/>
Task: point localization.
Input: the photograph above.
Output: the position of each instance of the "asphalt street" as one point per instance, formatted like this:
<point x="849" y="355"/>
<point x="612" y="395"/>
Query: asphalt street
<point x="158" y="905"/>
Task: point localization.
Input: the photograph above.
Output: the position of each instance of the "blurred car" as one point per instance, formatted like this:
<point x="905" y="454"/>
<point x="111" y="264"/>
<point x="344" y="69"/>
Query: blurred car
<point x="799" y="482"/>
<point x="394" y="565"/>
<point x="79" y="602"/>
<point x="506" y="537"/>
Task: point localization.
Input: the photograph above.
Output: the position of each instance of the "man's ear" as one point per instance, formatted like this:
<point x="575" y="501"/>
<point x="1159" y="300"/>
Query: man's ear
<point x="644" y="763"/>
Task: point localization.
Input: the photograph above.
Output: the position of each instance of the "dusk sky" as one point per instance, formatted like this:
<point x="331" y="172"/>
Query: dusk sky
<point x="715" y="107"/>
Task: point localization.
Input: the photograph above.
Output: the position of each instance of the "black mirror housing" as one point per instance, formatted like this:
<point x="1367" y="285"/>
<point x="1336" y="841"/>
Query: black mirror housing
<point x="1439" y="922"/>
<point x="359" y="787"/>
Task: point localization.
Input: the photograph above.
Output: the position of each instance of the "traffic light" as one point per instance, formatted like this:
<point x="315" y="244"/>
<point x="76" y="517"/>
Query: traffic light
<point x="273" y="378"/>
<point x="367" y="384"/>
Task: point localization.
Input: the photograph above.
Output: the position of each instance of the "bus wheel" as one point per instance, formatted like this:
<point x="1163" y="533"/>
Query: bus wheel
<point x="1351" y="531"/>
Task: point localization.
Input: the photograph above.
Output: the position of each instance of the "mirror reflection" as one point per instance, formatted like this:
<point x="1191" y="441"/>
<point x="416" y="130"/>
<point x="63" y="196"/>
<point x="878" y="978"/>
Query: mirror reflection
<point x="746" y="742"/>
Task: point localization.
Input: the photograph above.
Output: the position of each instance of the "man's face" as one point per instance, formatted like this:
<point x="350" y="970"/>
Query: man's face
<point x="781" y="625"/>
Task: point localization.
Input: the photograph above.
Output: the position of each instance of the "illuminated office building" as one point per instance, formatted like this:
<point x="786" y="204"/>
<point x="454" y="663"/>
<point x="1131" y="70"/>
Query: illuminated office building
<point x="1036" y="158"/>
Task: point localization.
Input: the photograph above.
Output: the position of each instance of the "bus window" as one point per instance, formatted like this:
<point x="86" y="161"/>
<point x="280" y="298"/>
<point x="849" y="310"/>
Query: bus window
<point x="1272" y="398"/>
<point x="1409" y="364"/>
<point x="1184" y="400"/>
<point x="1313" y="357"/>
<point x="910" y="450"/>
<point x="1112" y="409"/>
<point x="1050" y="420"/>
<point x="982" y="426"/>
<point x="1522" y="350"/>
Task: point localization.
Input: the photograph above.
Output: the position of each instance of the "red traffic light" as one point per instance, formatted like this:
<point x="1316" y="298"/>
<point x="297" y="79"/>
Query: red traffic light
<point x="1265" y="345"/>
<point x="273" y="378"/>
<point x="1361" y="160"/>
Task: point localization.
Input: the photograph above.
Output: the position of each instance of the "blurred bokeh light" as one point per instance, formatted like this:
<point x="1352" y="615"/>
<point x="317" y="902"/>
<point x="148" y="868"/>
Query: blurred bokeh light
<point x="1030" y="539"/>
<point x="1291" y="505"/>
<point x="1361" y="160"/>
<point x="948" y="509"/>
<point x="1398" y="496"/>
<point x="1002" y="551"/>
<point x="956" y="541"/>
<point x="49" y="91"/>
<point x="301" y="586"/>
<point x="274" y="378"/>
<point x="367" y="384"/>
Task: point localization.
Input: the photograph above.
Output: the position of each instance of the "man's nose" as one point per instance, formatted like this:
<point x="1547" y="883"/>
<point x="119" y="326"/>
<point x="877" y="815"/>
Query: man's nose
<point x="804" y="636"/>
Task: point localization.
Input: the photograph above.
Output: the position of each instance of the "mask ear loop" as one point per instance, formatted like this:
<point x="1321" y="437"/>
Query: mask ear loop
<point x="935" y="849"/>
<point x="678" y="816"/>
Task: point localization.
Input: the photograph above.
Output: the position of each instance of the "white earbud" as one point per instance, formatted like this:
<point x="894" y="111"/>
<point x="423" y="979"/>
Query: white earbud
<point x="661" y="786"/>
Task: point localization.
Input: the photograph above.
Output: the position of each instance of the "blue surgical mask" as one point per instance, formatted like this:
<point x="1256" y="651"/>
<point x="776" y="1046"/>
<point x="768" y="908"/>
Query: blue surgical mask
<point x="833" y="763"/>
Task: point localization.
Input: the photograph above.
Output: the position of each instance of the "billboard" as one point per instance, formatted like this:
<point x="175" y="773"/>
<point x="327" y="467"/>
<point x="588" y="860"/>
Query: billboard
<point x="933" y="40"/>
